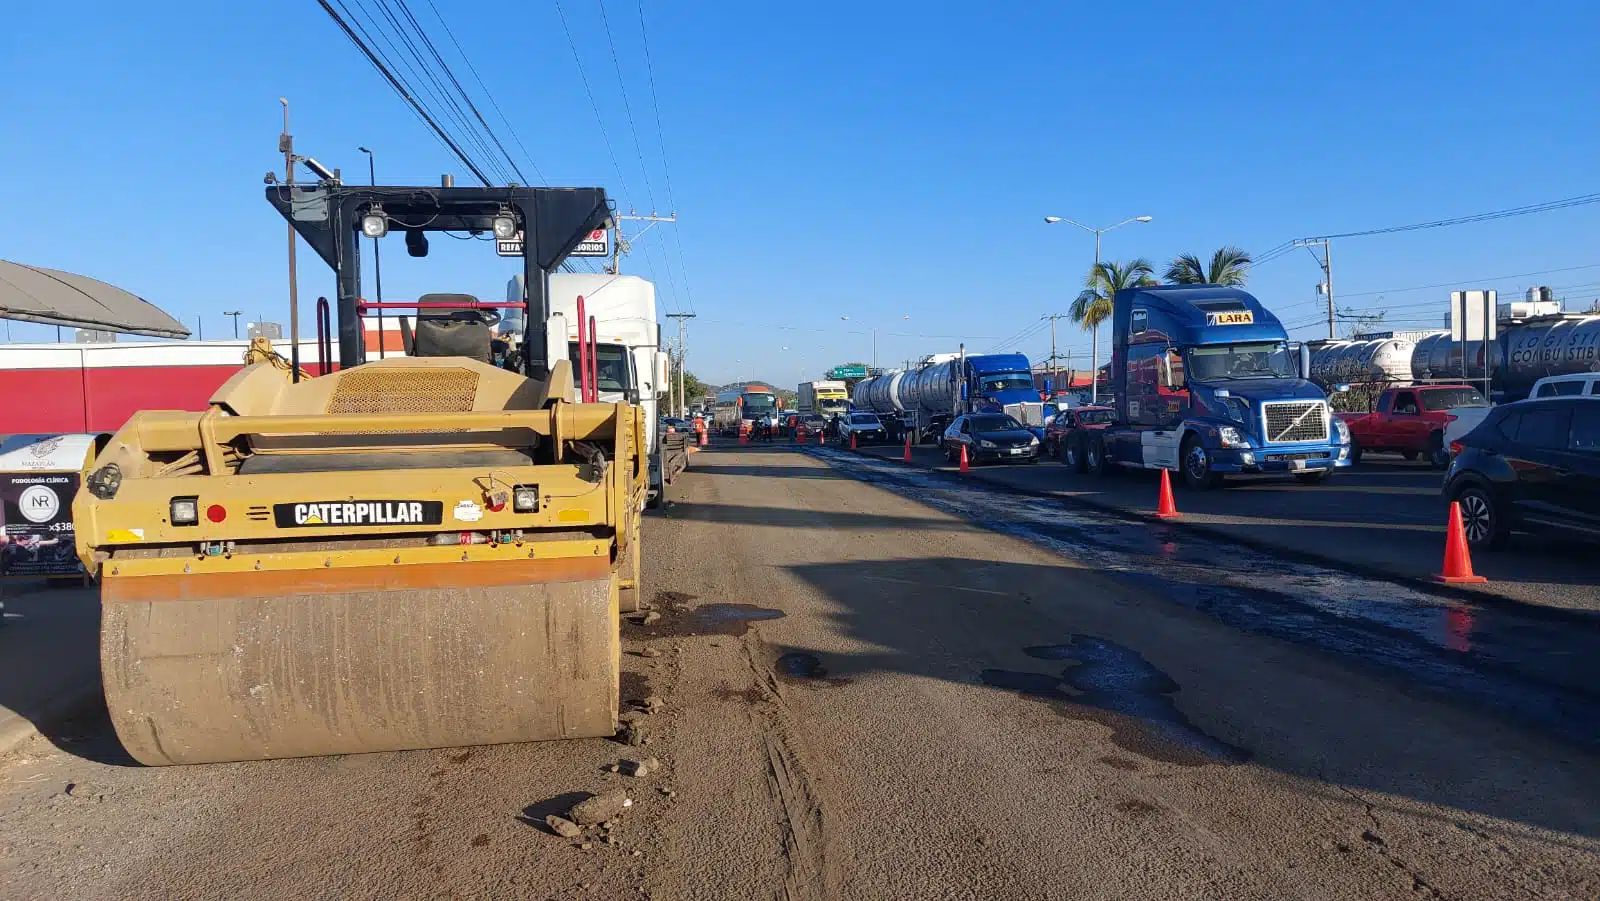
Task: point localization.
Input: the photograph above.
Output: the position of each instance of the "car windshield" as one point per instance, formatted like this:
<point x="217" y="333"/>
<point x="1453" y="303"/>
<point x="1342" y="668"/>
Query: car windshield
<point x="864" y="419"/>
<point x="1261" y="360"/>
<point x="1095" y="417"/>
<point x="1450" y="398"/>
<point x="1007" y="381"/>
<point x="993" y="423"/>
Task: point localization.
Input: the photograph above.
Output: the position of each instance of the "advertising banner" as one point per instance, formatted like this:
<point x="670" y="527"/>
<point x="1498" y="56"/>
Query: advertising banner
<point x="36" y="524"/>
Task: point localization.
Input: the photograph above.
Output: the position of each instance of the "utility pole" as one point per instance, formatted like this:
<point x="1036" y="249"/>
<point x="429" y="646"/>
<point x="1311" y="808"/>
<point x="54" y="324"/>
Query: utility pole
<point x="377" y="262"/>
<point x="620" y="246"/>
<point x="1326" y="262"/>
<point x="682" y="404"/>
<point x="235" y="315"/>
<point x="1055" y="377"/>
<point x="286" y="146"/>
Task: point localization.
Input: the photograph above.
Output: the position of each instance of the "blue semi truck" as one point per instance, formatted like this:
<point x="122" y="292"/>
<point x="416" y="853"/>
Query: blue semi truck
<point x="1206" y="382"/>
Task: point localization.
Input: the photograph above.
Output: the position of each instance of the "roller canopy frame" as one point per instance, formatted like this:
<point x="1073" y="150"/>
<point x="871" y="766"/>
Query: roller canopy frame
<point x="553" y="222"/>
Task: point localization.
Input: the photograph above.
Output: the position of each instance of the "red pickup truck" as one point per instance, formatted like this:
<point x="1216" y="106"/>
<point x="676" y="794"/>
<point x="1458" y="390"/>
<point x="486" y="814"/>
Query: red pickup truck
<point x="1410" y="421"/>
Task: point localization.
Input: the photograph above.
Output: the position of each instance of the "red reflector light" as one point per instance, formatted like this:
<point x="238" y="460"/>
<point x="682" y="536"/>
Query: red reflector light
<point x="216" y="513"/>
<point x="1455" y="447"/>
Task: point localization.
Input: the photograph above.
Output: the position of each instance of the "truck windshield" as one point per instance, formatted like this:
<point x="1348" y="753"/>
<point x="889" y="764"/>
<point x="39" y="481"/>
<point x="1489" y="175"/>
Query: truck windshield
<point x="759" y="405"/>
<point x="1261" y="360"/>
<point x="1007" y="381"/>
<point x="612" y="362"/>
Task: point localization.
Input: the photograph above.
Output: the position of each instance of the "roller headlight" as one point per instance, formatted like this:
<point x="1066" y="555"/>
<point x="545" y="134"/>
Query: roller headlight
<point x="525" y="498"/>
<point x="375" y="224"/>
<point x="505" y="228"/>
<point x="184" y="511"/>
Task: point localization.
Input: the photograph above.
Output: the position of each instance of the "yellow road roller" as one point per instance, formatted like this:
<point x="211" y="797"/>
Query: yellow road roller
<point x="421" y="551"/>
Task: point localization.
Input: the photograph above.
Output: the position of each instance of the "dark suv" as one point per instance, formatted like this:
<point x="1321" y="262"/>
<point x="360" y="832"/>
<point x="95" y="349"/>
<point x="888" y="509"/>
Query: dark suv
<point x="1533" y="466"/>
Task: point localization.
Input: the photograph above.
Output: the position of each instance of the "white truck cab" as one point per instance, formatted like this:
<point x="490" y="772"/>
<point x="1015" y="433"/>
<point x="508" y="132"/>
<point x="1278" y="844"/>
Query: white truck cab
<point x="630" y="362"/>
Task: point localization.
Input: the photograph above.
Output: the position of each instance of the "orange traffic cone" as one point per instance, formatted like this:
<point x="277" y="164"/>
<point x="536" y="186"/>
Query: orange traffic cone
<point x="744" y="437"/>
<point x="907" y="455"/>
<point x="965" y="466"/>
<point x="1457" y="561"/>
<point x="822" y="437"/>
<point x="1165" y="508"/>
<point x="852" y="440"/>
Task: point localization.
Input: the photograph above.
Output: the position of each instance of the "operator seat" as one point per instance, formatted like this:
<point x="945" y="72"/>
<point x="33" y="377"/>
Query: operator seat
<point x="445" y="332"/>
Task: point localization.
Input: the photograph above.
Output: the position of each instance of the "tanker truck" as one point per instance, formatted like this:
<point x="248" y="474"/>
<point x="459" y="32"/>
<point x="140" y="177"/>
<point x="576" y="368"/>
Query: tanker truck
<point x="929" y="397"/>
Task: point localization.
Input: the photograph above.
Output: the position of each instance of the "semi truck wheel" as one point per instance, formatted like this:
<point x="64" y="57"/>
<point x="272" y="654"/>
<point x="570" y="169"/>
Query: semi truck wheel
<point x="1197" y="472"/>
<point x="1094" y="455"/>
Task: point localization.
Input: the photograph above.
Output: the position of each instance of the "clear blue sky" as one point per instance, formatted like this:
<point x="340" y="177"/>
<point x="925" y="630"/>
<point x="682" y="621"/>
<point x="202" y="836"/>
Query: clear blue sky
<point x="871" y="160"/>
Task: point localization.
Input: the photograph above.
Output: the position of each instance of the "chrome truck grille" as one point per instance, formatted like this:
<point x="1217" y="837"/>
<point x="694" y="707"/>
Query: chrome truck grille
<point x="1292" y="421"/>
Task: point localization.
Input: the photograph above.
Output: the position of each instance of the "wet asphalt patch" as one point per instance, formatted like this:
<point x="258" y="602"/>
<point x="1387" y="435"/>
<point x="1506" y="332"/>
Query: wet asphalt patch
<point x="1113" y="685"/>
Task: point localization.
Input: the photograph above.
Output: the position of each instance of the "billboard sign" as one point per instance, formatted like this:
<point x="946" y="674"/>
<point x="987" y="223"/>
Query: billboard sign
<point x="596" y="244"/>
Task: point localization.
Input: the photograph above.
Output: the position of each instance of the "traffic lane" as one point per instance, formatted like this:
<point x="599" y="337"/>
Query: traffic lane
<point x="868" y="697"/>
<point x="1517" y="661"/>
<point x="970" y="705"/>
<point x="1384" y="516"/>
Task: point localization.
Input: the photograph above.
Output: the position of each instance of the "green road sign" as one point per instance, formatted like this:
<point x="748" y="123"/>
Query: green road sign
<point x="848" y="372"/>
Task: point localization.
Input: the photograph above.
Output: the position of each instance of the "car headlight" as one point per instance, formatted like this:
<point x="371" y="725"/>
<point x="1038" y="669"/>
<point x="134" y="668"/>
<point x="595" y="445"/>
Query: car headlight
<point x="982" y="442"/>
<point x="1231" y="438"/>
<point x="1343" y="430"/>
<point x="1034" y="440"/>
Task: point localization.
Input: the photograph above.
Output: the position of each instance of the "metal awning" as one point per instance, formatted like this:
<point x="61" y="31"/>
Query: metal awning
<point x="51" y="297"/>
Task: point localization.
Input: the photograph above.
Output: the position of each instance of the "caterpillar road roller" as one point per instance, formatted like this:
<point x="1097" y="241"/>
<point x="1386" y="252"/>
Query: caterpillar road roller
<point x="423" y="551"/>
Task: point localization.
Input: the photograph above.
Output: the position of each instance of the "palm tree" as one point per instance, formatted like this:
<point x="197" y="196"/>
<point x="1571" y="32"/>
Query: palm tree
<point x="1093" y="305"/>
<point x="1229" y="266"/>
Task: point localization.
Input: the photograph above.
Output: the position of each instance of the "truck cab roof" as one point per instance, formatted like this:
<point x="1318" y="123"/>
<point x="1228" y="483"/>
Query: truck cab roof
<point x="1188" y="315"/>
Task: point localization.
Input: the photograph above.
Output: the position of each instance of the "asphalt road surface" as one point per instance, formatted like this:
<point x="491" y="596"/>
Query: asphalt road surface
<point x="1384" y="514"/>
<point x="878" y="684"/>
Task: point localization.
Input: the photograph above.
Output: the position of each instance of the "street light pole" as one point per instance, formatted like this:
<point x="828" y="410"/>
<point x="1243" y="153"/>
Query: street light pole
<point x="1094" y="343"/>
<point x="377" y="262"/>
<point x="235" y="315"/>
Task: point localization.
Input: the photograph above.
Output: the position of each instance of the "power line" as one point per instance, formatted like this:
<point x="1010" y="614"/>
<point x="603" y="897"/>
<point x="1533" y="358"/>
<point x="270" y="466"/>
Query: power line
<point x="485" y="88"/>
<point x="445" y="67"/>
<point x="666" y="167"/>
<point x="627" y="106"/>
<point x="399" y="89"/>
<point x="577" y="61"/>
<point x="440" y="92"/>
<point x="1526" y="210"/>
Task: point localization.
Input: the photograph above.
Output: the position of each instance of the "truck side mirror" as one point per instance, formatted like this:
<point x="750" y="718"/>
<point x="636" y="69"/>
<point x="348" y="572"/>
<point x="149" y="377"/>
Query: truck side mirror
<point x="1164" y="370"/>
<point x="663" y="374"/>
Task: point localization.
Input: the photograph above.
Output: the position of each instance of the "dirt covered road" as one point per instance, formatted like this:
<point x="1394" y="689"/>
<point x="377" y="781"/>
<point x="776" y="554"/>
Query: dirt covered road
<point x="861" y="694"/>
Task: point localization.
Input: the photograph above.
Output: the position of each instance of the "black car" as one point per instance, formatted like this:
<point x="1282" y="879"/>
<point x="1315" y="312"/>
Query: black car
<point x="866" y="428"/>
<point x="1531" y="466"/>
<point x="990" y="436"/>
